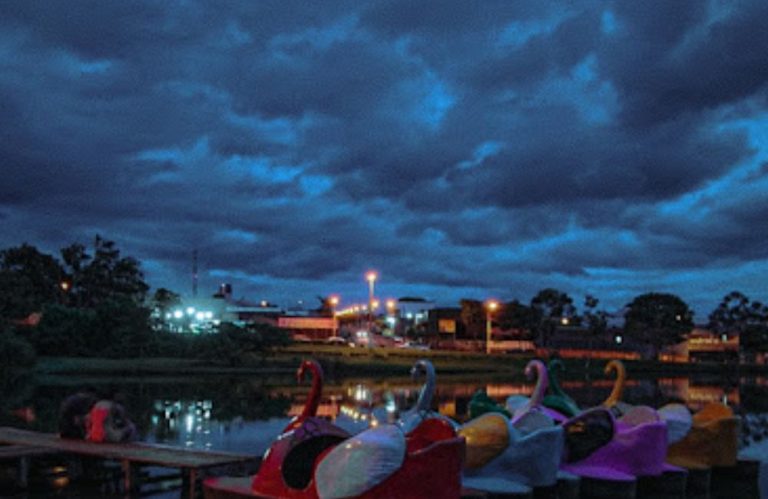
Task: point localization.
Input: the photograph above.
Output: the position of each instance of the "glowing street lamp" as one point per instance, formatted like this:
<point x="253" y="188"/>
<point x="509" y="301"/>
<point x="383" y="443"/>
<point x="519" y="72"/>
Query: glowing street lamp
<point x="370" y="276"/>
<point x="333" y="301"/>
<point x="490" y="307"/>
<point x="391" y="305"/>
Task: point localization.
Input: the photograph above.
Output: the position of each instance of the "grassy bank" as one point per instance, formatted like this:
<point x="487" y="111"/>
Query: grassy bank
<point x="339" y="361"/>
<point x="336" y="361"/>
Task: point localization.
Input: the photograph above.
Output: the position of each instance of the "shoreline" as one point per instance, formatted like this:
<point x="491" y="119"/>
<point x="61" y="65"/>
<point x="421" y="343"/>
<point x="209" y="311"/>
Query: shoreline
<point x="340" y="362"/>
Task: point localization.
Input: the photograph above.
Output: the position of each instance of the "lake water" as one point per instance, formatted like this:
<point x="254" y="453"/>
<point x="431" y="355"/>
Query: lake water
<point x="244" y="414"/>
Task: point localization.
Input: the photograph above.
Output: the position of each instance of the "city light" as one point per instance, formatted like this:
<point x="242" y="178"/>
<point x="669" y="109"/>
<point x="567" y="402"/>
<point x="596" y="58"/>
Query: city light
<point x="490" y="307"/>
<point x="371" y="278"/>
<point x="333" y="301"/>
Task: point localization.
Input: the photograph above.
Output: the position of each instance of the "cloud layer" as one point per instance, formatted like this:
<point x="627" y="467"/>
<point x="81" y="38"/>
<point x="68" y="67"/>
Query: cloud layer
<point x="463" y="150"/>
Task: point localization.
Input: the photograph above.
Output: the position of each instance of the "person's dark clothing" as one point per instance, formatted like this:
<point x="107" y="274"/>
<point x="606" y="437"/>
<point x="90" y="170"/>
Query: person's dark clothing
<point x="73" y="412"/>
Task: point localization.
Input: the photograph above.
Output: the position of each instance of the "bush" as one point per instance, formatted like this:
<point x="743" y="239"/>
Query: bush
<point x="65" y="332"/>
<point x="113" y="329"/>
<point x="15" y="351"/>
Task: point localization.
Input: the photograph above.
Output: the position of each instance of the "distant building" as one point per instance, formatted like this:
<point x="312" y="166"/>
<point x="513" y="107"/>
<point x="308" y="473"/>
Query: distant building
<point x="414" y="309"/>
<point x="204" y="315"/>
<point x="703" y="345"/>
<point x="579" y="342"/>
<point x="308" y="328"/>
<point x="446" y="323"/>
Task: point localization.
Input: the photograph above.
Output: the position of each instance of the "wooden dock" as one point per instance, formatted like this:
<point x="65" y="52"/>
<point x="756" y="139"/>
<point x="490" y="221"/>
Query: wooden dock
<point x="21" y="455"/>
<point x="739" y="482"/>
<point x="130" y="455"/>
<point x="22" y="445"/>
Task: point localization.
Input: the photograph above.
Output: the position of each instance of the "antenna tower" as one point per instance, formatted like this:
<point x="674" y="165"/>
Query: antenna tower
<point x="194" y="274"/>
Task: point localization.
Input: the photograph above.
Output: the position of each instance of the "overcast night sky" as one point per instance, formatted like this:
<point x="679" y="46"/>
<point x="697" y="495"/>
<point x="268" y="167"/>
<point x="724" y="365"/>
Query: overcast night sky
<point x="462" y="149"/>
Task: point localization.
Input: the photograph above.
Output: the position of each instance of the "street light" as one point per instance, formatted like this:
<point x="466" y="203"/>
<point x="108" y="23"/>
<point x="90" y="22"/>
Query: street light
<point x="391" y="306"/>
<point x="370" y="276"/>
<point x="490" y="307"/>
<point x="333" y="301"/>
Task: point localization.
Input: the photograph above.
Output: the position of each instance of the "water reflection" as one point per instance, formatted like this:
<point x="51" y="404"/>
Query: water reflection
<point x="201" y="423"/>
<point x="183" y="422"/>
<point x="244" y="414"/>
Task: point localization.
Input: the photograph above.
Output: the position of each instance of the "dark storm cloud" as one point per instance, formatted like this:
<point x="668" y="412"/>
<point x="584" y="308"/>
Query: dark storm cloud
<point x="687" y="57"/>
<point x="460" y="148"/>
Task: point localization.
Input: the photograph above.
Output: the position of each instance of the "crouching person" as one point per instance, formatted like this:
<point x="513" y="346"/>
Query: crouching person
<point x="74" y="412"/>
<point x="107" y="422"/>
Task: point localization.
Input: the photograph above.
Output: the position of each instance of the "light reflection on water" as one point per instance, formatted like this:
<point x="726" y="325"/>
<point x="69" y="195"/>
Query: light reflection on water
<point x="194" y="423"/>
<point x="245" y="414"/>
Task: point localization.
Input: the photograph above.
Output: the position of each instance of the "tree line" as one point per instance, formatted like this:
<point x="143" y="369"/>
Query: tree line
<point x="653" y="319"/>
<point x="88" y="302"/>
<point x="95" y="302"/>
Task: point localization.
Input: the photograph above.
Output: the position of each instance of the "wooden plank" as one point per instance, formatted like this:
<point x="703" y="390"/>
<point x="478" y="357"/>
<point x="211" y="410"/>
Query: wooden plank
<point x="735" y="481"/>
<point x="131" y="482"/>
<point x="468" y="493"/>
<point x="240" y="488"/>
<point x="592" y="488"/>
<point x="160" y="455"/>
<point x="668" y="485"/>
<point x="698" y="484"/>
<point x="568" y="485"/>
<point x="18" y="451"/>
<point x="22" y="455"/>
<point x="189" y="478"/>
<point x="228" y="488"/>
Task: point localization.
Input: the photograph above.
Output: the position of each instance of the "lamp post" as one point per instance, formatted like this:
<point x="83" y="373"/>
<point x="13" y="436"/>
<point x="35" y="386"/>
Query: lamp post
<point x="333" y="301"/>
<point x="490" y="308"/>
<point x="391" y="308"/>
<point x="371" y="278"/>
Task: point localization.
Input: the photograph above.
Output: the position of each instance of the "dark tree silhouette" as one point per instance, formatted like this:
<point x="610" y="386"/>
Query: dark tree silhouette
<point x="473" y="317"/>
<point x="515" y="315"/>
<point x="738" y="315"/>
<point x="658" y="320"/>
<point x="29" y="280"/>
<point x="548" y="307"/>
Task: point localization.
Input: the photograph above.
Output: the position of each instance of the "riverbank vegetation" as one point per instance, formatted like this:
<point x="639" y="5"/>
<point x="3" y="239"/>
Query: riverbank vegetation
<point x="97" y="305"/>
